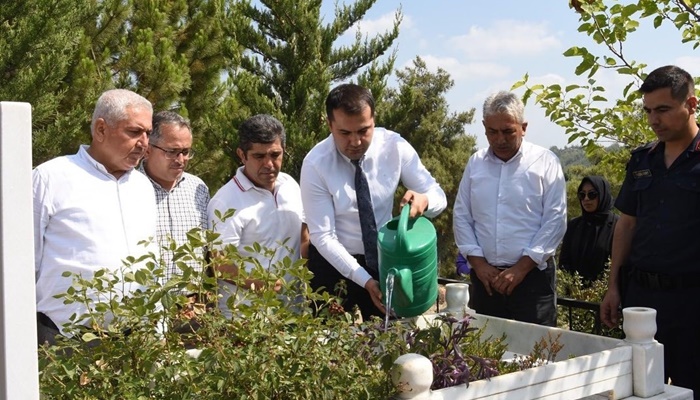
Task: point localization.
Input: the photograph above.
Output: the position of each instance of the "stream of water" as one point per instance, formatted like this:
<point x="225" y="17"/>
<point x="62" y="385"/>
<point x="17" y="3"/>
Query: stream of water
<point x="388" y="295"/>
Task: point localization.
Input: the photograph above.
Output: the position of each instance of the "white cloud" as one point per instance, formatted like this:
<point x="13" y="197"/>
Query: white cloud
<point x="464" y="71"/>
<point x="382" y="24"/>
<point x="688" y="63"/>
<point x="506" y="38"/>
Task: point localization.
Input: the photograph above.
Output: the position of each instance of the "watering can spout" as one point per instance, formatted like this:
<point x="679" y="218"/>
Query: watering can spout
<point x="403" y="284"/>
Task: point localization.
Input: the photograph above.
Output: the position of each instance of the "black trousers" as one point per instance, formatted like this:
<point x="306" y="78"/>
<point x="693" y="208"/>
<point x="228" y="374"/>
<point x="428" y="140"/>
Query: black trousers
<point x="326" y="277"/>
<point x="46" y="330"/>
<point x="678" y="329"/>
<point x="533" y="300"/>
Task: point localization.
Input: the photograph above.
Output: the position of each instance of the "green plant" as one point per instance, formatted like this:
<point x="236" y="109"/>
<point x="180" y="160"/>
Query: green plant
<point x="136" y="347"/>
<point x="571" y="285"/>
<point x="452" y="346"/>
<point x="126" y="347"/>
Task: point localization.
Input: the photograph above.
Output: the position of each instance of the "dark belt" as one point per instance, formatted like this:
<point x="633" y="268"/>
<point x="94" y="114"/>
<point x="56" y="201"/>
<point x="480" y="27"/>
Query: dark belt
<point x="659" y="281"/>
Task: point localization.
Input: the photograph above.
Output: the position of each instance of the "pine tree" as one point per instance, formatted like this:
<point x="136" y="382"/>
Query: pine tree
<point x="292" y="61"/>
<point x="173" y="53"/>
<point x="60" y="55"/>
<point x="38" y="39"/>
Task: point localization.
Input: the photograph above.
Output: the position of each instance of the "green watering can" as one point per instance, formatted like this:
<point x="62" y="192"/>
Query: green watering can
<point x="408" y="250"/>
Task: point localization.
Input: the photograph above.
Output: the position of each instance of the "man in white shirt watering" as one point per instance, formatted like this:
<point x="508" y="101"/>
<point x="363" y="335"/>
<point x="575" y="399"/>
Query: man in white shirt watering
<point x="358" y="158"/>
<point x="509" y="217"/>
<point x="91" y="209"/>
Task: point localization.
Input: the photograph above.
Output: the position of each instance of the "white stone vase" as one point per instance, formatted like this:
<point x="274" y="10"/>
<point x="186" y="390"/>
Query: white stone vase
<point x="639" y="324"/>
<point x="457" y="297"/>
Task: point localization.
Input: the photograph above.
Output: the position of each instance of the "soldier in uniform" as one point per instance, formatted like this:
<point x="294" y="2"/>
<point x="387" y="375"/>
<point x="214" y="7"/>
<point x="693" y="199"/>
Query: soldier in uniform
<point x="655" y="246"/>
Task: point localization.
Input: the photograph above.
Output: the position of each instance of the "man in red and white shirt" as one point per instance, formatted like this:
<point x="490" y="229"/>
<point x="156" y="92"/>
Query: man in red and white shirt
<point x="268" y="210"/>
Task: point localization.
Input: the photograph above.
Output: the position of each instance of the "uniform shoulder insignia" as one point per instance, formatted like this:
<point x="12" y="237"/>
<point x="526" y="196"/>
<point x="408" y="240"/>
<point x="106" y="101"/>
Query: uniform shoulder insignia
<point x="646" y="147"/>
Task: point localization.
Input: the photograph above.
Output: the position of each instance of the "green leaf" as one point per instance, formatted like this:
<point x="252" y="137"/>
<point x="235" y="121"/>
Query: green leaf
<point x="575" y="51"/>
<point x="89" y="337"/>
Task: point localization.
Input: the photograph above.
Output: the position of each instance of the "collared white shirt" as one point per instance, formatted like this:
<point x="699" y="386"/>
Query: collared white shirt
<point x="260" y="217"/>
<point x="330" y="204"/>
<point x="180" y="209"/>
<point x="85" y="220"/>
<point x="505" y="210"/>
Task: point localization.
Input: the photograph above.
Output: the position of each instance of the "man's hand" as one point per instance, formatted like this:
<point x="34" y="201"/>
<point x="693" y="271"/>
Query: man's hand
<point x="419" y="203"/>
<point x="507" y="280"/>
<point x="375" y="293"/>
<point x="486" y="274"/>
<point x="610" y="307"/>
<point x="258" y="285"/>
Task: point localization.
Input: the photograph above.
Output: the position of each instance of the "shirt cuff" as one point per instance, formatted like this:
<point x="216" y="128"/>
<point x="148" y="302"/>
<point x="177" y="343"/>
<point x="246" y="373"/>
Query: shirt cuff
<point x="537" y="256"/>
<point x="436" y="204"/>
<point x="361" y="277"/>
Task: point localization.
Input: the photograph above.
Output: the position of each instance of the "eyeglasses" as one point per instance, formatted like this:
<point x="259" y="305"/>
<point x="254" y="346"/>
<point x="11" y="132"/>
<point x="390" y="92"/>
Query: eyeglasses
<point x="592" y="195"/>
<point x="172" y="154"/>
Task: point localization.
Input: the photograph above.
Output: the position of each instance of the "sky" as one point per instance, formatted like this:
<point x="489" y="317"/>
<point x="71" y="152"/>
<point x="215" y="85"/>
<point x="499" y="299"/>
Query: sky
<point x="488" y="46"/>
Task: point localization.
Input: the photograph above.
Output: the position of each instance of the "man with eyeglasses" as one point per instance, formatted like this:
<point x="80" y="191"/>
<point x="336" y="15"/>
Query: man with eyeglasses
<point x="181" y="197"/>
<point x="509" y="217"/>
<point x="655" y="246"/>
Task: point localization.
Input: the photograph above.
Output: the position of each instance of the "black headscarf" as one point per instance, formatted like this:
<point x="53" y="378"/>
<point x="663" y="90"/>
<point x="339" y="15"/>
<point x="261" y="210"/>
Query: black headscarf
<point x="605" y="199"/>
<point x="588" y="240"/>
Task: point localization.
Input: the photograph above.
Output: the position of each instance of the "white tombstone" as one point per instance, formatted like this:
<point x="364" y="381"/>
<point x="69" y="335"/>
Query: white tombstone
<point x="19" y="369"/>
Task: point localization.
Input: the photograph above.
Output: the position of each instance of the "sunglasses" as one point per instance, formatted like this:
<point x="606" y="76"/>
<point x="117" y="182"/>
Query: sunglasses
<point x="592" y="195"/>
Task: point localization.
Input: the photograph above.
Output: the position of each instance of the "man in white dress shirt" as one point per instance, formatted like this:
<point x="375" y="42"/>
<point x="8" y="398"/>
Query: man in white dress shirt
<point x="268" y="211"/>
<point x="509" y="217"/>
<point x="331" y="204"/>
<point x="92" y="209"/>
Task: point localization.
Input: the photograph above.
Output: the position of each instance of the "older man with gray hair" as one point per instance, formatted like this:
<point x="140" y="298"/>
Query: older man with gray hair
<point x="509" y="217"/>
<point x="91" y="209"/>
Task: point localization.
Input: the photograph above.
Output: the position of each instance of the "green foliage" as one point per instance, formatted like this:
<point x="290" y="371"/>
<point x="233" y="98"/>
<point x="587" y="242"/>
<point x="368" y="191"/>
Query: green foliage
<point x="586" y="111"/>
<point x="571" y="155"/>
<point x="418" y="110"/>
<point x="35" y="57"/>
<point x="273" y="348"/>
<point x="572" y="286"/>
<point x="60" y="55"/>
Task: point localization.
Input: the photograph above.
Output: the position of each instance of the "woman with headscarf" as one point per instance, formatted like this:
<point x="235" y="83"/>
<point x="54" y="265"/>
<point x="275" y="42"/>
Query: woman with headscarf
<point x="588" y="240"/>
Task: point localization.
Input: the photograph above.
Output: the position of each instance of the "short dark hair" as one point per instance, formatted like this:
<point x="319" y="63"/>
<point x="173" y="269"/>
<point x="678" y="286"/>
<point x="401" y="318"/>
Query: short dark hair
<point x="261" y="128"/>
<point x="167" y="118"/>
<point x="350" y="98"/>
<point x="670" y="76"/>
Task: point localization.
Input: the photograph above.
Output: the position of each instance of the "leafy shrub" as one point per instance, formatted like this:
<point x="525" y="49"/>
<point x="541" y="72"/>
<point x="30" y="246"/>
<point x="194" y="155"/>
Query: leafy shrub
<point x="571" y="285"/>
<point x="135" y="347"/>
<point x="274" y="348"/>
